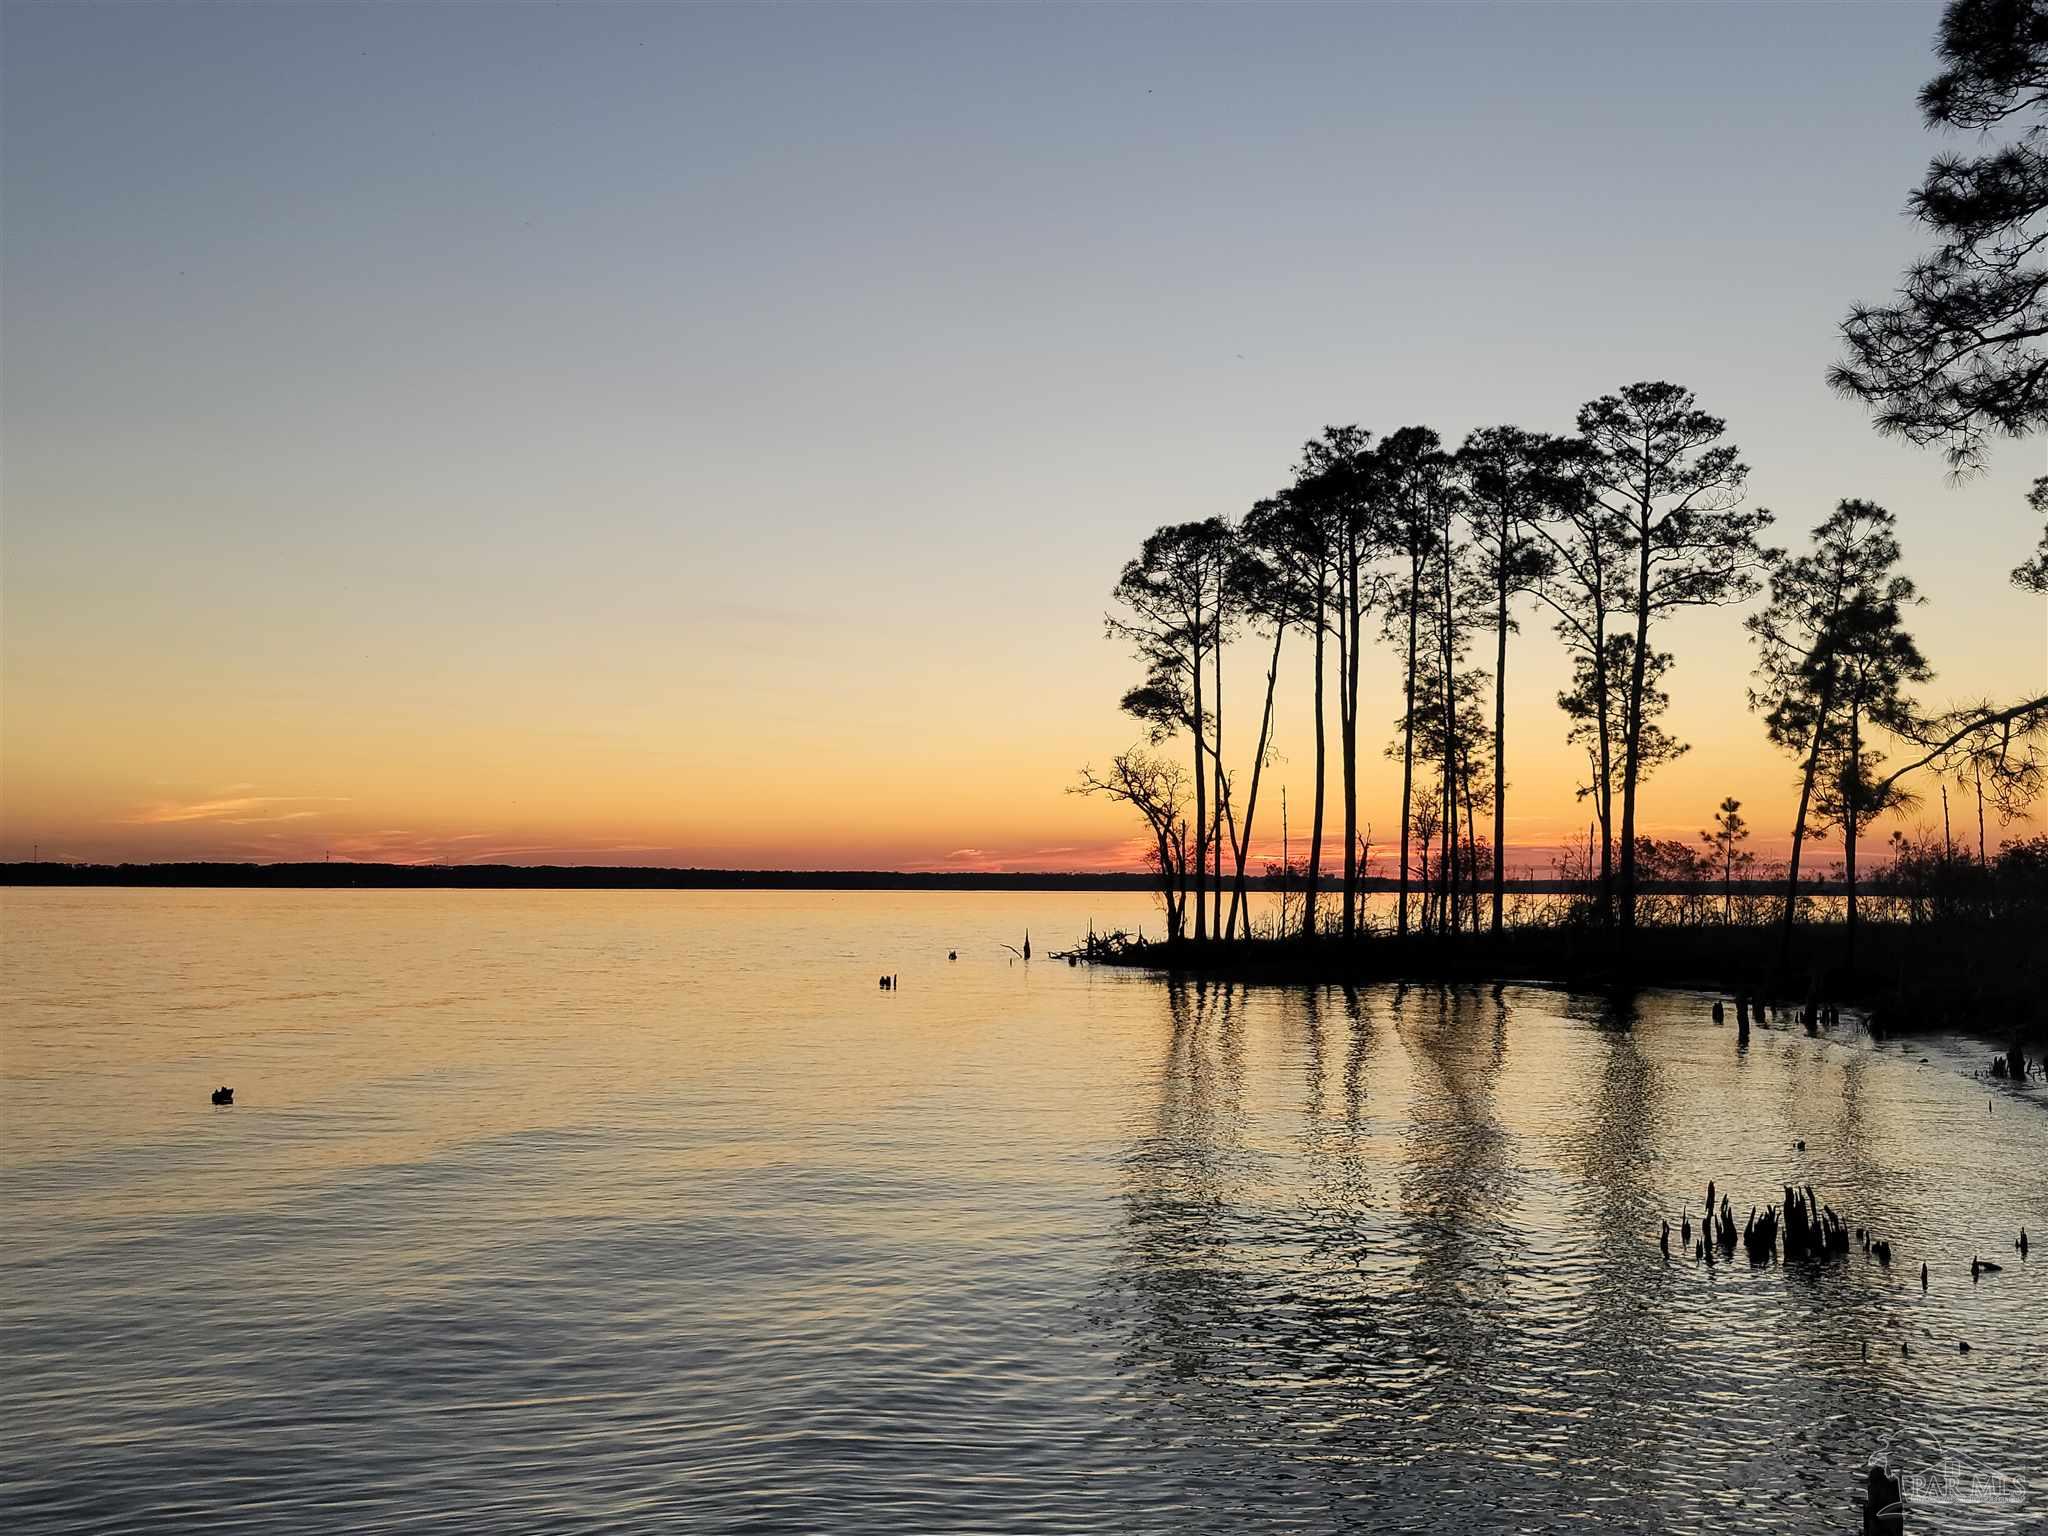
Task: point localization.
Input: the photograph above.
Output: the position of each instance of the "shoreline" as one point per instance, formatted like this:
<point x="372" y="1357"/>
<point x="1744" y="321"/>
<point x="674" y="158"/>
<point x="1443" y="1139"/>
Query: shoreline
<point x="1908" y="980"/>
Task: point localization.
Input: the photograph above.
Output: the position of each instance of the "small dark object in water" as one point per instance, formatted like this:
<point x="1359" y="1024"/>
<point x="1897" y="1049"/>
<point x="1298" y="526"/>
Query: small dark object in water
<point x="2022" y="1245"/>
<point x="1717" y="1012"/>
<point x="1923" y="1277"/>
<point x="1665" y="1242"/>
<point x="1802" y="1146"/>
<point x="1883" y="1250"/>
<point x="1985" y="1266"/>
<point x="1963" y="1346"/>
<point x="223" y="1095"/>
<point x="1685" y="1230"/>
<point x="952" y="954"/>
<point x="888" y="983"/>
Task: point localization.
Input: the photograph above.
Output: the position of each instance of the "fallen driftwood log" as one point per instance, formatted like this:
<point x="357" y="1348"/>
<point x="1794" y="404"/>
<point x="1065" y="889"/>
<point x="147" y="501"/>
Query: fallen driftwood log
<point x="1098" y="947"/>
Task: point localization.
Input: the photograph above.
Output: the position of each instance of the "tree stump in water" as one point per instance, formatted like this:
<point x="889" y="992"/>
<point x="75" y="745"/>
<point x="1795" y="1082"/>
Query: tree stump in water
<point x="1882" y="1510"/>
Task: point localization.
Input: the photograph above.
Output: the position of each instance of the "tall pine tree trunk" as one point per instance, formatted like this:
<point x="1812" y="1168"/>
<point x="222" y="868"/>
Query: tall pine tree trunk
<point x="1471" y="847"/>
<point x="1632" y="746"/>
<point x="1603" y="790"/>
<point x="1408" y="738"/>
<point x="1201" y="784"/>
<point x="1445" y="659"/>
<point x="1822" y="708"/>
<point x="1222" y="782"/>
<point x="1315" y="841"/>
<point x="1849" y="821"/>
<point x="1347" y="708"/>
<point x="1500" y="742"/>
<point x="1251" y="801"/>
<point x="1820" y="731"/>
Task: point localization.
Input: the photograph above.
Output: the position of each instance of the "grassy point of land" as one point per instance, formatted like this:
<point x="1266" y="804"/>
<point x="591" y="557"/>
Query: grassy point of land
<point x="1909" y="977"/>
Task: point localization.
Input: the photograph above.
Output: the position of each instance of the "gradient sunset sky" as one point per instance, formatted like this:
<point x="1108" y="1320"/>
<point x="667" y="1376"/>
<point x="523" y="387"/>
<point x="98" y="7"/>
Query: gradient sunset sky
<point x="709" y="435"/>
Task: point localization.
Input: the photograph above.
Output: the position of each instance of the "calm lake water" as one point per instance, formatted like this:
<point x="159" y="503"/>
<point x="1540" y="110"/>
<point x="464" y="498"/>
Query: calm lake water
<point x="572" y="1211"/>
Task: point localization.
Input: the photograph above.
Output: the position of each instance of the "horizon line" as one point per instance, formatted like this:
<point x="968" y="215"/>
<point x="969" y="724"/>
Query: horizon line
<point x="318" y="873"/>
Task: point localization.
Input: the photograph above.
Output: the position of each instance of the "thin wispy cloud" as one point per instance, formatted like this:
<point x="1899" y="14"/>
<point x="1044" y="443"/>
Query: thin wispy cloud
<point x="235" y="810"/>
<point x="557" y="850"/>
<point x="1111" y="854"/>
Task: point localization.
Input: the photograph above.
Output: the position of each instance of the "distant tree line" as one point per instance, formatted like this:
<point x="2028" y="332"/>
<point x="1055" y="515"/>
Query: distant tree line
<point x="342" y="875"/>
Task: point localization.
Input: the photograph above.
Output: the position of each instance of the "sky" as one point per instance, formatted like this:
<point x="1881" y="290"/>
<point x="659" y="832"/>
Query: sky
<point x="708" y="435"/>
